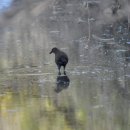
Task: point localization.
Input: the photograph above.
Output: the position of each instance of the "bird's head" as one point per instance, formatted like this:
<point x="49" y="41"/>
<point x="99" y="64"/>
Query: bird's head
<point x="54" y="50"/>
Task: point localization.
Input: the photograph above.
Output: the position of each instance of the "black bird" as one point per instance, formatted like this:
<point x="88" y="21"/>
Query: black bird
<point x="61" y="58"/>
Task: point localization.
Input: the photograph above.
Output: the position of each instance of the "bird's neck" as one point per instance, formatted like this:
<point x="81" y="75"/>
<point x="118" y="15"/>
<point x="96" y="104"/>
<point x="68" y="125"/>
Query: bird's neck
<point x="57" y="52"/>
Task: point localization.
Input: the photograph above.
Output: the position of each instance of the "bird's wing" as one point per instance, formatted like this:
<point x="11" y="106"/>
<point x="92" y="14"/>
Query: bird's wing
<point x="63" y="59"/>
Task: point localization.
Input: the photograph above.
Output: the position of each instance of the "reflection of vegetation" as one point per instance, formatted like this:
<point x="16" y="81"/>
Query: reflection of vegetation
<point x="24" y="107"/>
<point x="37" y="114"/>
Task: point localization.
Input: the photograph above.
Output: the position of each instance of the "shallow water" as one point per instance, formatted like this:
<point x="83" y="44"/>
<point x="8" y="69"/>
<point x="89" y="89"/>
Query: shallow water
<point x="89" y="98"/>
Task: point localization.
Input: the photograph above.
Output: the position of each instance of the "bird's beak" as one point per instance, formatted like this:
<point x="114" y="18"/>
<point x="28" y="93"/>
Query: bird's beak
<point x="50" y="52"/>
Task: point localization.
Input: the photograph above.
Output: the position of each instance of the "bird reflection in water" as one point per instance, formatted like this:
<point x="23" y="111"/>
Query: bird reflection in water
<point x="62" y="83"/>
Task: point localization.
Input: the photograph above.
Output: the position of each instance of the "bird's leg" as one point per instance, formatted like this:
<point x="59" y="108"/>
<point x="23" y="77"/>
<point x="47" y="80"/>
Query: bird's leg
<point x="59" y="70"/>
<point x="64" y="70"/>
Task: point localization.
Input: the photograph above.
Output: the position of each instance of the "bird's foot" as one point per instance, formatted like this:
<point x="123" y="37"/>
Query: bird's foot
<point x="59" y="73"/>
<point x="64" y="72"/>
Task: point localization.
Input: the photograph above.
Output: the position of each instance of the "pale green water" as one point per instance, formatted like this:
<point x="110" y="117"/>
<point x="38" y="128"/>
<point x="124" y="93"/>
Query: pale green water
<point x="93" y="100"/>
